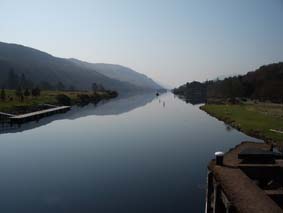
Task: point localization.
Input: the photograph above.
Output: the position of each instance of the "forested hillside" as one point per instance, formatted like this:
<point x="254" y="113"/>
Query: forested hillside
<point x="120" y="73"/>
<point x="265" y="83"/>
<point x="27" y="67"/>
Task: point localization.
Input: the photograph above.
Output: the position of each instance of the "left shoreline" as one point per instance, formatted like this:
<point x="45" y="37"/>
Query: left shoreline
<point x="21" y="105"/>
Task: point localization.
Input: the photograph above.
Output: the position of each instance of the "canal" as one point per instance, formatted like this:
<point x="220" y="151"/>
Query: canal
<point x="137" y="154"/>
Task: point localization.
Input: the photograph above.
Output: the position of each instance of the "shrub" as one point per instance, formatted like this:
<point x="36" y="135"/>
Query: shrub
<point x="63" y="99"/>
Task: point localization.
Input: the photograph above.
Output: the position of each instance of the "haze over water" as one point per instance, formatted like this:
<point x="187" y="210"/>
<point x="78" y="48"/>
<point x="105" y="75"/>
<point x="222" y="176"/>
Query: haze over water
<point x="141" y="154"/>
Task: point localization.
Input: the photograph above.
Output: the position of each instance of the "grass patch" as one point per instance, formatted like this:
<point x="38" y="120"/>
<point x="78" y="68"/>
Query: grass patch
<point x="253" y="119"/>
<point x="13" y="103"/>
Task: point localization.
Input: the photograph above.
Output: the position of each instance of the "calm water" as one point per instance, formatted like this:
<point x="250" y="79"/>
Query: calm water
<point x="142" y="154"/>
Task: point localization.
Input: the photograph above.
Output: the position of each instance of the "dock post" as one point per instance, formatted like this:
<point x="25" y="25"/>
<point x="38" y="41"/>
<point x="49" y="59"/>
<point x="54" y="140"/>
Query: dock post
<point x="217" y="198"/>
<point x="219" y="158"/>
<point x="209" y="191"/>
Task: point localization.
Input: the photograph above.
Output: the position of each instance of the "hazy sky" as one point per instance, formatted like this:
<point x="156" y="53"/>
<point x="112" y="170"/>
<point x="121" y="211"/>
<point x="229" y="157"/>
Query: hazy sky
<point x="172" y="41"/>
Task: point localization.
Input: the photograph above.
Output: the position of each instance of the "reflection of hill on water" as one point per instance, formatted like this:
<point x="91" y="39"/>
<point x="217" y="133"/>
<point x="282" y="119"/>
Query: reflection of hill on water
<point x="115" y="106"/>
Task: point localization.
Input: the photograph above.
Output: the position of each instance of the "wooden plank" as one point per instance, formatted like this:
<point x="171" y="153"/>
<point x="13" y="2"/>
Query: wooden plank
<point x="274" y="192"/>
<point x="49" y="105"/>
<point x="6" y="114"/>
<point x="277" y="131"/>
<point x="243" y="194"/>
<point x="41" y="112"/>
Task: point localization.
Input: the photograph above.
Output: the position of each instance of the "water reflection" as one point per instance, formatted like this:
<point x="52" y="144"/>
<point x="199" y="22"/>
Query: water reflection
<point x="191" y="100"/>
<point x="119" y="105"/>
<point x="152" y="159"/>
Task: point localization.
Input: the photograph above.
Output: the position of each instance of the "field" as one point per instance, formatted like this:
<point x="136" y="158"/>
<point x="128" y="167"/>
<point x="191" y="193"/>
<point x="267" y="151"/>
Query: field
<point x="12" y="103"/>
<point x="261" y="120"/>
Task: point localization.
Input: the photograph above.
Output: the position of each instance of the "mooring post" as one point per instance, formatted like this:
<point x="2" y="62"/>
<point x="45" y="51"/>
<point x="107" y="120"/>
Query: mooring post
<point x="219" y="158"/>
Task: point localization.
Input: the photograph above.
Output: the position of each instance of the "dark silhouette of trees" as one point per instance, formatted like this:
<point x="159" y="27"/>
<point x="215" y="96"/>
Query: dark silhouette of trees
<point x="23" y="81"/>
<point x="265" y="83"/>
<point x="44" y="85"/>
<point x="35" y="92"/>
<point x="19" y="93"/>
<point x="194" y="92"/>
<point x="13" y="80"/>
<point x="3" y="94"/>
<point x="27" y="92"/>
<point x="101" y="88"/>
<point x="63" y="99"/>
<point x="94" y="87"/>
<point x="60" y="86"/>
<point x="72" y="88"/>
<point x="97" y="87"/>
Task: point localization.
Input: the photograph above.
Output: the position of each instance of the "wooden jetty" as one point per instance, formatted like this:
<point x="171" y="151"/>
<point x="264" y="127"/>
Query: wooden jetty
<point x="247" y="179"/>
<point x="6" y="114"/>
<point x="19" y="119"/>
<point x="5" y="117"/>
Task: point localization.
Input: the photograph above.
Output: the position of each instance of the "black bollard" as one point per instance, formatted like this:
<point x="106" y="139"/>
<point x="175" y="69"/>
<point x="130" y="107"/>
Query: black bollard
<point x="219" y="158"/>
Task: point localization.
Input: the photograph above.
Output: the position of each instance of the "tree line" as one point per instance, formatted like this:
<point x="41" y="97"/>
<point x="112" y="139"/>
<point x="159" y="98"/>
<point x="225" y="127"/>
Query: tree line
<point x="24" y="87"/>
<point x="265" y="83"/>
<point x="21" y="94"/>
<point x="15" y="81"/>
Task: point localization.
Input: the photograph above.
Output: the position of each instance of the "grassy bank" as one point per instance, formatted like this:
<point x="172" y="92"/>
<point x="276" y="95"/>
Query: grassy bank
<point x="255" y="119"/>
<point x="15" y="105"/>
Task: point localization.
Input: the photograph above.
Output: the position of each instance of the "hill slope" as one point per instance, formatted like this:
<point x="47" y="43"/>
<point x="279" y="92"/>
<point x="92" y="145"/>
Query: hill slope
<point x="120" y="73"/>
<point x="41" y="67"/>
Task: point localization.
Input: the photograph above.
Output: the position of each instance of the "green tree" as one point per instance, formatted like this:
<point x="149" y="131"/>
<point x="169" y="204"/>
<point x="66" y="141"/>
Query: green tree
<point x="27" y="92"/>
<point x="45" y="85"/>
<point x="101" y="87"/>
<point x="19" y="93"/>
<point x="13" y="79"/>
<point x="3" y="94"/>
<point x="23" y="81"/>
<point x="35" y="92"/>
<point x="94" y="87"/>
<point x="63" y="99"/>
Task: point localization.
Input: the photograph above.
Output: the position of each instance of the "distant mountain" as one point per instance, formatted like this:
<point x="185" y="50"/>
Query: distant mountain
<point x="42" y="68"/>
<point x="120" y="73"/>
<point x="164" y="85"/>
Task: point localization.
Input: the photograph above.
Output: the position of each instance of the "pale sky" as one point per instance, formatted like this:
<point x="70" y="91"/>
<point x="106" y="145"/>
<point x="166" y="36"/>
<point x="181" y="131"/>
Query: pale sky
<point x="172" y="41"/>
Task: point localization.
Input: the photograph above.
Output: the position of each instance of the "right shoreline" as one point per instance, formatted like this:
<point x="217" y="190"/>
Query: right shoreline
<point x="231" y="119"/>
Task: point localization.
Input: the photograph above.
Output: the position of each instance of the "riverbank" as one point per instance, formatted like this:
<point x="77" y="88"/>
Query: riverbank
<point x="260" y="120"/>
<point x="18" y="105"/>
<point x="237" y="180"/>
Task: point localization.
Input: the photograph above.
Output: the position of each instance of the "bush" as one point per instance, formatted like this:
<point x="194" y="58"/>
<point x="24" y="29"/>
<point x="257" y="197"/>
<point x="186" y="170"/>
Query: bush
<point x="113" y="94"/>
<point x="63" y="99"/>
<point x="35" y="92"/>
